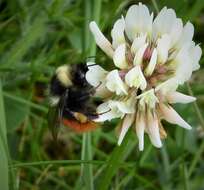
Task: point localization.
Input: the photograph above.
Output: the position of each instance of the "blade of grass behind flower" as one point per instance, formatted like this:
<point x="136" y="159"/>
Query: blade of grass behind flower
<point x="195" y="10"/>
<point x="4" y="182"/>
<point x="113" y="163"/>
<point x="32" y="33"/>
<point x="86" y="153"/>
<point x="185" y="177"/>
<point x="87" y="170"/>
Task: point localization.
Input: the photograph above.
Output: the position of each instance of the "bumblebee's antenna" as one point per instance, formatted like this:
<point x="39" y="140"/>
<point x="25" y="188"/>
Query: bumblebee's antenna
<point x="98" y="85"/>
<point x="91" y="65"/>
<point x="105" y="112"/>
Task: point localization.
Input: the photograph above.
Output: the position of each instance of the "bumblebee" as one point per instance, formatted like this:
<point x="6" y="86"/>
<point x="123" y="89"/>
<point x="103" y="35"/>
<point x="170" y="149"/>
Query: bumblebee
<point x="71" y="101"/>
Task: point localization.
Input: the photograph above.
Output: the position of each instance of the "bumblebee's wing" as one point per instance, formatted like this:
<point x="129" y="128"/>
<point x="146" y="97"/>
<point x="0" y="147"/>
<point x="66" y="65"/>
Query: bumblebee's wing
<point x="55" y="116"/>
<point x="54" y="120"/>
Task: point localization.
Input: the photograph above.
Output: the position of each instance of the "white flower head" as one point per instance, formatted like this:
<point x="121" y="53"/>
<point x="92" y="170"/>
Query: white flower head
<point x="151" y="56"/>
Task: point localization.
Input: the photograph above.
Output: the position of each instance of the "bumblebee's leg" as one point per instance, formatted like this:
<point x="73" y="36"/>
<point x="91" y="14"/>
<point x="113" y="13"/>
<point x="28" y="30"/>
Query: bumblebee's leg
<point x="68" y="114"/>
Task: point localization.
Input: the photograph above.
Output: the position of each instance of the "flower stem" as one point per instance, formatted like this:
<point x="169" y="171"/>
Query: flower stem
<point x="197" y="110"/>
<point x="116" y="157"/>
<point x="90" y="49"/>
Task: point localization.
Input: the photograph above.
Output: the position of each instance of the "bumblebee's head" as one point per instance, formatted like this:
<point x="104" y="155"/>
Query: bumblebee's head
<point x="72" y="75"/>
<point x="78" y="75"/>
<point x="67" y="76"/>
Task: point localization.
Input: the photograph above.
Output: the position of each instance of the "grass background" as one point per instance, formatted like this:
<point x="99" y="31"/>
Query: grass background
<point x="36" y="37"/>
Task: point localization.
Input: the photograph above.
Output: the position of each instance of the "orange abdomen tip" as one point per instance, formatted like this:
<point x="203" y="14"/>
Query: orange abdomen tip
<point x="80" y="127"/>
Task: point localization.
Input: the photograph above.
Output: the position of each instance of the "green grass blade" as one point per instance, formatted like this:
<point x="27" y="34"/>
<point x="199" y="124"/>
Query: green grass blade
<point x="34" y="31"/>
<point x="57" y="162"/>
<point x="185" y="177"/>
<point x="87" y="170"/>
<point x="113" y="163"/>
<point x="196" y="159"/>
<point x="26" y="102"/>
<point x="195" y="10"/>
<point x="4" y="176"/>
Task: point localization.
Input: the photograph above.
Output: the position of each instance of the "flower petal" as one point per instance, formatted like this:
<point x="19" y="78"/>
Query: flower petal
<point x="100" y="39"/>
<point x="153" y="61"/>
<point x="127" y="122"/>
<point x="135" y="78"/>
<point x="102" y="91"/>
<point x="138" y="20"/>
<point x="140" y="127"/>
<point x="163" y="46"/>
<point x="106" y="113"/>
<point x="163" y="22"/>
<point x="115" y="84"/>
<point x="153" y="129"/>
<point x="196" y="53"/>
<point x="172" y="116"/>
<point x="168" y="86"/>
<point x="139" y="55"/>
<point x="137" y="43"/>
<point x="117" y="33"/>
<point x="119" y="57"/>
<point x="183" y="64"/>
<point x="187" y="35"/>
<point x="147" y="98"/>
<point x="176" y="32"/>
<point x="127" y="106"/>
<point x="96" y="74"/>
<point x="177" y="97"/>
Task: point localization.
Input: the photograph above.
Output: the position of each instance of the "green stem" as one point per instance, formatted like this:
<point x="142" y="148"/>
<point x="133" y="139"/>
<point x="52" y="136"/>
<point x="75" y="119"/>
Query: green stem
<point x="196" y="159"/>
<point x="68" y="162"/>
<point x="197" y="110"/>
<point x="87" y="169"/>
<point x="4" y="158"/>
<point x="116" y="158"/>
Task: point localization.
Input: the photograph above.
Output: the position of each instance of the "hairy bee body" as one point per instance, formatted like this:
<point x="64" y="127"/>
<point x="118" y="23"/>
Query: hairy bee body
<point x="71" y="99"/>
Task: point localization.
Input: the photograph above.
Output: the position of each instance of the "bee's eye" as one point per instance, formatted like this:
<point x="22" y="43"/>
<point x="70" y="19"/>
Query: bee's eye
<point x="79" y="78"/>
<point x="79" y="75"/>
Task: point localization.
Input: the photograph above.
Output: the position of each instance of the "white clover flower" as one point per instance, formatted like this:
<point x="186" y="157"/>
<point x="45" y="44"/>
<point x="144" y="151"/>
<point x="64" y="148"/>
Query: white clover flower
<point x="152" y="57"/>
